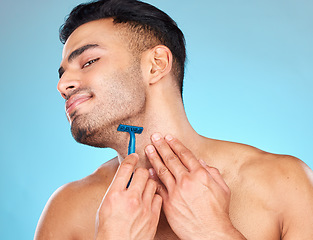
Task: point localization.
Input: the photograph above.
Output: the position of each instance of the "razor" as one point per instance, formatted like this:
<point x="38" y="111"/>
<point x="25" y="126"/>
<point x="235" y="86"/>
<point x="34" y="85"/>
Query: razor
<point x="132" y="130"/>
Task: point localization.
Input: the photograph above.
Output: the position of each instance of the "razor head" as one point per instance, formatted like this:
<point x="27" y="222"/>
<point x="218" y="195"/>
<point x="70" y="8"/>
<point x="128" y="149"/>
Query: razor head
<point x="128" y="128"/>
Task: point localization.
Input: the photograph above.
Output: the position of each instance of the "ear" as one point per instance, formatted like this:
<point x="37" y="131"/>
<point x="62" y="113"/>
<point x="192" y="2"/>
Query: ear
<point x="160" y="61"/>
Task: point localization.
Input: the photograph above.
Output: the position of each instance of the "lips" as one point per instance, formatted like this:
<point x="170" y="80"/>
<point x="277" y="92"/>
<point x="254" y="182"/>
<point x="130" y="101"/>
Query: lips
<point x="74" y="101"/>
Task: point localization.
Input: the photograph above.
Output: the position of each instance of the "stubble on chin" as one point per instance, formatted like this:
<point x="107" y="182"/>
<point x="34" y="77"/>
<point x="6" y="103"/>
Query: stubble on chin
<point x="94" y="131"/>
<point x="81" y="132"/>
<point x="86" y="132"/>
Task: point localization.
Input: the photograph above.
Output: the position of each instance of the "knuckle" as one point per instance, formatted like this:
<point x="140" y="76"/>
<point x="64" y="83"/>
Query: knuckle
<point x="127" y="165"/>
<point x="185" y="182"/>
<point x="134" y="201"/>
<point x="203" y="175"/>
<point x="201" y="172"/>
<point x="162" y="171"/>
<point x="154" y="157"/>
<point x="112" y="197"/>
<point x="170" y="158"/>
<point x="185" y="153"/>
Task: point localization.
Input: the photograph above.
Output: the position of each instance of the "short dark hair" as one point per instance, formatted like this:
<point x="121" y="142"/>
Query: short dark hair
<point x="148" y="25"/>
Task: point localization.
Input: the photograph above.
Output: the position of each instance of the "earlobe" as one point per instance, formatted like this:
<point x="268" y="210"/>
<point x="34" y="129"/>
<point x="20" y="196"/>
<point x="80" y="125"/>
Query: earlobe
<point x="161" y="63"/>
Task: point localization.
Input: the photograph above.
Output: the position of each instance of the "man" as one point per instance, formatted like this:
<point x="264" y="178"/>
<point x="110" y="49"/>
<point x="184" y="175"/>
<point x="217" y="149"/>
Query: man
<point x="123" y="63"/>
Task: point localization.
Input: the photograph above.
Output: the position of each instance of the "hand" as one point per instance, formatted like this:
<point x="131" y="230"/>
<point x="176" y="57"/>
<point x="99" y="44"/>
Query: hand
<point x="195" y="197"/>
<point x="129" y="213"/>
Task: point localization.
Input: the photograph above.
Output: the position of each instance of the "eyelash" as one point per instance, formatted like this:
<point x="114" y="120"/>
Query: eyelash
<point x="90" y="62"/>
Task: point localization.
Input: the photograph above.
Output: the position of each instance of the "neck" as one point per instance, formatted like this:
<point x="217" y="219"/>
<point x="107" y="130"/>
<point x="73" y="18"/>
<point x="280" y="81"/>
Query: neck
<point x="166" y="115"/>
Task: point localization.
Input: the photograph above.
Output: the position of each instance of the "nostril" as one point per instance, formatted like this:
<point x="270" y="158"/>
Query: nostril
<point x="70" y="87"/>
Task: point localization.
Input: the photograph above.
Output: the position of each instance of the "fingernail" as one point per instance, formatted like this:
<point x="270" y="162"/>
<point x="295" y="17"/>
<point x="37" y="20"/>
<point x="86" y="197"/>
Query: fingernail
<point x="156" y="136"/>
<point x="151" y="172"/>
<point x="149" y="149"/>
<point x="169" y="137"/>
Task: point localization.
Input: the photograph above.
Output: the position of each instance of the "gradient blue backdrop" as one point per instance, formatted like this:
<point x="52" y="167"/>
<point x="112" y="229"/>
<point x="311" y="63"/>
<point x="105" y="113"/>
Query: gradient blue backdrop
<point x="248" y="79"/>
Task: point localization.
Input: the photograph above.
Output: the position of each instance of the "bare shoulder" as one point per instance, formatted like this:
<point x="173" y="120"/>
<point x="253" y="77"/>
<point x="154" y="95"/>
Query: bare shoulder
<point x="290" y="181"/>
<point x="281" y="184"/>
<point x="72" y="208"/>
<point x="260" y="166"/>
<point x="275" y="172"/>
<point x="264" y="166"/>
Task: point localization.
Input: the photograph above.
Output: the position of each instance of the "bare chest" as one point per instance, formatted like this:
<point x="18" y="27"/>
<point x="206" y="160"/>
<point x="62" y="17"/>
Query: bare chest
<point x="251" y="213"/>
<point x="251" y="220"/>
<point x="254" y="221"/>
<point x="254" y="216"/>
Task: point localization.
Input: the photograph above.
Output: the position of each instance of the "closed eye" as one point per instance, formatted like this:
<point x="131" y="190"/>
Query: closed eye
<point x="90" y="62"/>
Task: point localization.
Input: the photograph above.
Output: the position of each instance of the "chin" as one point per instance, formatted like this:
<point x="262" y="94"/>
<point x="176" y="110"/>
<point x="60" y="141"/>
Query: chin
<point x="84" y="133"/>
<point x="92" y="133"/>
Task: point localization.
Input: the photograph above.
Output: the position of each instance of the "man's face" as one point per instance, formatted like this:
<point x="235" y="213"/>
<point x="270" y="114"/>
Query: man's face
<point x="101" y="82"/>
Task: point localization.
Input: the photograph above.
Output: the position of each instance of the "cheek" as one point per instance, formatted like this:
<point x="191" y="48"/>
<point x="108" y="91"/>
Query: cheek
<point x="118" y="89"/>
<point x="99" y="83"/>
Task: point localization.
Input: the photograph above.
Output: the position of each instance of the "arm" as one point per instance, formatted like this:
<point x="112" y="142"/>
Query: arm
<point x="55" y="221"/>
<point x="195" y="197"/>
<point x="298" y="205"/>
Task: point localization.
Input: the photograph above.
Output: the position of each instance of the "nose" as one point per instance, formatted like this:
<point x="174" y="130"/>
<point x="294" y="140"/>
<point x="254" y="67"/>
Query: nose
<point x="67" y="84"/>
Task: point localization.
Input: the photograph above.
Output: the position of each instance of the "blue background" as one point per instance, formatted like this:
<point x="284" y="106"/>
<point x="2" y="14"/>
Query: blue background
<point x="248" y="80"/>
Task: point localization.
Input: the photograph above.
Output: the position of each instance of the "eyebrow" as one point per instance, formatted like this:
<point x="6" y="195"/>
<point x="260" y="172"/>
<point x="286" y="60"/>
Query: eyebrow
<point x="75" y="54"/>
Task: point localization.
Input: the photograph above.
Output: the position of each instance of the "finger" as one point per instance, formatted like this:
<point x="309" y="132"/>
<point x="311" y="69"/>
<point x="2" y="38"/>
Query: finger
<point x="160" y="187"/>
<point x="184" y="154"/>
<point x="163" y="173"/>
<point x="156" y="205"/>
<point x="149" y="191"/>
<point x="215" y="174"/>
<point x="162" y="191"/>
<point x="124" y="172"/>
<point x="139" y="180"/>
<point x="218" y="178"/>
<point x="153" y="175"/>
<point x="171" y="160"/>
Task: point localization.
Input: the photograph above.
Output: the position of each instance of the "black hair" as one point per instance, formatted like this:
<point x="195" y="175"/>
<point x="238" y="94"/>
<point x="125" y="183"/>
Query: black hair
<point x="144" y="20"/>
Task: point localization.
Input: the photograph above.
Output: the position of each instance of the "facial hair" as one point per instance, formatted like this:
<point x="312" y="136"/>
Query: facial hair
<point x="121" y="99"/>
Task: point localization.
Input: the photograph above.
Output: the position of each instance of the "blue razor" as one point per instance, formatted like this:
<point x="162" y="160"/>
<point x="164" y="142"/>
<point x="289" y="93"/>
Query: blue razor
<point x="132" y="140"/>
<point x="131" y="130"/>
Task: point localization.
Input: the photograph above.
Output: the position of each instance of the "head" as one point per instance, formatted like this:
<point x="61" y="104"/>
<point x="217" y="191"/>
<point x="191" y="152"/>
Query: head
<point x="100" y="70"/>
<point x="144" y="25"/>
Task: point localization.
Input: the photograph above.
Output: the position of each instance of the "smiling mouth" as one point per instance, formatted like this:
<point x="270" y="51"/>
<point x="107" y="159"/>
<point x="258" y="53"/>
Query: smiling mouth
<point x="74" y="101"/>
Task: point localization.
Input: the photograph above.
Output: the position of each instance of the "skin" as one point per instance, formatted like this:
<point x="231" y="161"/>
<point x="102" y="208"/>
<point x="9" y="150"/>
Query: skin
<point x="196" y="187"/>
